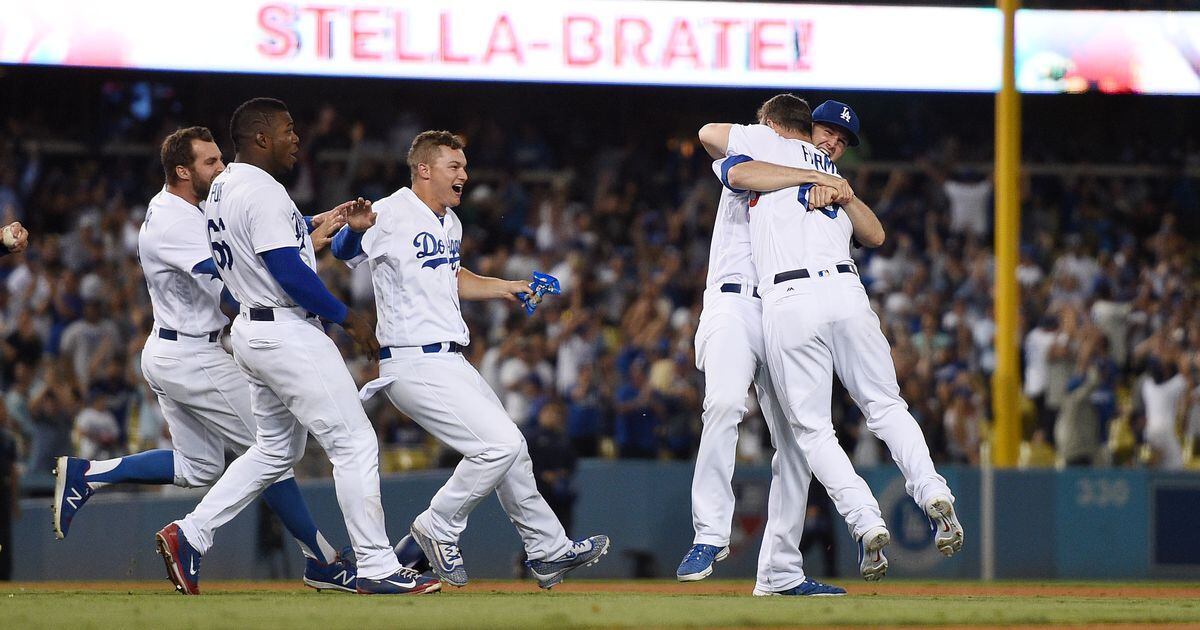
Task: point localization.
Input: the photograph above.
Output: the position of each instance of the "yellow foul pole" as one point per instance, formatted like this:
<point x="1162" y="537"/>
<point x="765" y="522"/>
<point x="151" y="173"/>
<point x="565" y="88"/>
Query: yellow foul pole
<point x="1006" y="401"/>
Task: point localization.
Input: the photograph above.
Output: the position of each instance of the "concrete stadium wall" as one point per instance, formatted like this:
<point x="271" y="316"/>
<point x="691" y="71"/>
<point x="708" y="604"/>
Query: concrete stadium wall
<point x="1078" y="524"/>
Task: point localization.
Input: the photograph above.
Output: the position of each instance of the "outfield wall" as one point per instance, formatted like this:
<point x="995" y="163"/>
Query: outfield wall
<point x="1084" y="524"/>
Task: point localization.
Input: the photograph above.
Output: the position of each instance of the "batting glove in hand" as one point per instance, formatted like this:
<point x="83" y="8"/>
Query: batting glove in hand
<point x="542" y="284"/>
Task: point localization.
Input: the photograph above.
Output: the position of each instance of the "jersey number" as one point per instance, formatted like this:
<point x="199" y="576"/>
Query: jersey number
<point x="222" y="254"/>
<point x="829" y="211"/>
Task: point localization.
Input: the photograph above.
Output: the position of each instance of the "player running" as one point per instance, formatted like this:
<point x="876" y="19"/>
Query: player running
<point x="298" y="380"/>
<point x="204" y="398"/>
<point x="414" y="250"/>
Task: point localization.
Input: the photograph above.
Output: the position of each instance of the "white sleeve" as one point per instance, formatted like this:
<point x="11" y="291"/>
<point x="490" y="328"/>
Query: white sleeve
<point x="185" y="246"/>
<point x="747" y="139"/>
<point x="274" y="222"/>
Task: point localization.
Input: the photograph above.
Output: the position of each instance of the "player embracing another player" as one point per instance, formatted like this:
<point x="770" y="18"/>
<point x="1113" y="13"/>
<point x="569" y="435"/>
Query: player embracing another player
<point x="414" y="250"/>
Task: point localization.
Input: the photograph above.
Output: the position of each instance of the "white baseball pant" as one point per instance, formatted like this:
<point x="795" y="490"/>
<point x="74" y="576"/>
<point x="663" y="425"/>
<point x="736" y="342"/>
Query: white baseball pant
<point x="445" y="395"/>
<point x="299" y="384"/>
<point x="731" y="353"/>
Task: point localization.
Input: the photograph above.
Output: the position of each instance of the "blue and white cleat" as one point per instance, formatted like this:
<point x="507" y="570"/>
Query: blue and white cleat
<point x="71" y="491"/>
<point x="183" y="561"/>
<point x="947" y="531"/>
<point x="808" y="588"/>
<point x="699" y="561"/>
<point x="409" y="553"/>
<point x="403" y="582"/>
<point x="872" y="564"/>
<point x="339" y="575"/>
<point x="584" y="553"/>
<point x="445" y="558"/>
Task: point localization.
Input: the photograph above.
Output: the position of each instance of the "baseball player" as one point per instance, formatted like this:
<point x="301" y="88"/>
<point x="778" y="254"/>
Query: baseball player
<point x="414" y="250"/>
<point x="298" y="381"/>
<point x="843" y="335"/>
<point x="730" y="351"/>
<point x="14" y="237"/>
<point x="204" y="397"/>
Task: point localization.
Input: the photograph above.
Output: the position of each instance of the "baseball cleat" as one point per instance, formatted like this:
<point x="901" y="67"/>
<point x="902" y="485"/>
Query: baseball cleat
<point x="339" y="575"/>
<point x="402" y="582"/>
<point x="808" y="588"/>
<point x="947" y="531"/>
<point x="699" y="561"/>
<point x="872" y="564"/>
<point x="445" y="558"/>
<point x="71" y="491"/>
<point x="583" y="553"/>
<point x="409" y="553"/>
<point x="183" y="561"/>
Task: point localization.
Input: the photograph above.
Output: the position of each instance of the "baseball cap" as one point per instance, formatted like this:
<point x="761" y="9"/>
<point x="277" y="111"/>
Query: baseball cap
<point x="838" y="114"/>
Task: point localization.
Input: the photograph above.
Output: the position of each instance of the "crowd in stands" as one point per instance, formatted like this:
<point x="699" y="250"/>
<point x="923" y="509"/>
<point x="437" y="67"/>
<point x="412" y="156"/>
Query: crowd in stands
<point x="1110" y="334"/>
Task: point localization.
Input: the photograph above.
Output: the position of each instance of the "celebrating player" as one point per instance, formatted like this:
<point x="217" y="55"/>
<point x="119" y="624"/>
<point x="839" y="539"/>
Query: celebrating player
<point x="870" y="382"/>
<point x="15" y="238"/>
<point x="298" y="381"/>
<point x="414" y="250"/>
<point x="730" y="351"/>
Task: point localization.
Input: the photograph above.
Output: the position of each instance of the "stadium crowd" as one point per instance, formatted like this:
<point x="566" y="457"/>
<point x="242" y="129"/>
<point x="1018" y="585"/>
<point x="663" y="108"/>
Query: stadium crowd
<point x="1110" y="331"/>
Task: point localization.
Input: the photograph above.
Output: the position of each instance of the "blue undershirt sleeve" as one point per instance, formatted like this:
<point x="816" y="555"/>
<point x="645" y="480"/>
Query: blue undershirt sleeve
<point x="207" y="267"/>
<point x="347" y="244"/>
<point x="308" y="223"/>
<point x="729" y="163"/>
<point x="302" y="283"/>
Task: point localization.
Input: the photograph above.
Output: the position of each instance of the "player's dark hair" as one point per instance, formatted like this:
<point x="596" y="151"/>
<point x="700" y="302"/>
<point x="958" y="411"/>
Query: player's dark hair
<point x="425" y="145"/>
<point x="177" y="150"/>
<point x="788" y="111"/>
<point x="252" y="117"/>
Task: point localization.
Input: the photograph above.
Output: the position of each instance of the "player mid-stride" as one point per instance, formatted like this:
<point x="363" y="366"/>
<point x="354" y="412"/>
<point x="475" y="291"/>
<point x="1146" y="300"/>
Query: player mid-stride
<point x="414" y="251"/>
<point x="298" y="380"/>
<point x="204" y="398"/>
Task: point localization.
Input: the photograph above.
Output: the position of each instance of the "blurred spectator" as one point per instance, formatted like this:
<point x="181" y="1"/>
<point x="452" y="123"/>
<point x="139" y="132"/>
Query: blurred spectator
<point x="554" y="461"/>
<point x="10" y="494"/>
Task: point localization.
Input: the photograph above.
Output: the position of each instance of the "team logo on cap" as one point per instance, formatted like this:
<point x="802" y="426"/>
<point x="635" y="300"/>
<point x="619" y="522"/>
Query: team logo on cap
<point x="845" y="115"/>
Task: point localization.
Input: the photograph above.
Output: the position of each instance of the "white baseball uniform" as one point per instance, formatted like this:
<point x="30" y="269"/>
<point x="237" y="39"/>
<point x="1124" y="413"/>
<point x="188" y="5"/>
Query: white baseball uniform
<point x="817" y="320"/>
<point x="731" y="353"/>
<point x="298" y="380"/>
<point x="414" y="258"/>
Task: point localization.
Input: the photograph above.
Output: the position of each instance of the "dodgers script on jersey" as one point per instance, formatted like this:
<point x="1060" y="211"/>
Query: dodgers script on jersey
<point x="414" y="258"/>
<point x="171" y="242"/>
<point x="249" y="213"/>
<point x="823" y="235"/>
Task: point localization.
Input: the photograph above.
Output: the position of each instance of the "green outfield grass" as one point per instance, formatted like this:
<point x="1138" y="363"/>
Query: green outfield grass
<point x="600" y="604"/>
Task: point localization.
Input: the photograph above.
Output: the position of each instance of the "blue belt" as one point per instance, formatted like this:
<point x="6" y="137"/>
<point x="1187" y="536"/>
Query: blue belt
<point x="174" y="335"/>
<point x="268" y="315"/>
<point x="797" y="274"/>
<point x="431" y="348"/>
<point x="733" y="287"/>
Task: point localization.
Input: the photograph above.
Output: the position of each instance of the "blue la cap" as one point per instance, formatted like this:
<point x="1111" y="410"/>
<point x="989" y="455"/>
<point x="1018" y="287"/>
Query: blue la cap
<point x="839" y="115"/>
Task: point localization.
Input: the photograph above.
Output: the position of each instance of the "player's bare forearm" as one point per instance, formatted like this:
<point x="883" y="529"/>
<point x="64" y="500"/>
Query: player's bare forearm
<point x="472" y="286"/>
<point x="715" y="138"/>
<point x="867" y="228"/>
<point x="768" y="177"/>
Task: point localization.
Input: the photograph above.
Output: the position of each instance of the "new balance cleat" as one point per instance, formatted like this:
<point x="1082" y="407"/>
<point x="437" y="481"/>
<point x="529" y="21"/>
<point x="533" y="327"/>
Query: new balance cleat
<point x="71" y="491"/>
<point x="339" y="575"/>
<point x="947" y="531"/>
<point x="808" y="588"/>
<point x="699" y="561"/>
<point x="872" y="564"/>
<point x="403" y="582"/>
<point x="445" y="558"/>
<point x="409" y="553"/>
<point x="584" y="553"/>
<point x="183" y="561"/>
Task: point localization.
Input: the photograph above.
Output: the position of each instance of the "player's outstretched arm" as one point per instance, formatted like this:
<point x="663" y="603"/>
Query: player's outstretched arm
<point x="472" y="286"/>
<point x="715" y="138"/>
<point x="767" y="177"/>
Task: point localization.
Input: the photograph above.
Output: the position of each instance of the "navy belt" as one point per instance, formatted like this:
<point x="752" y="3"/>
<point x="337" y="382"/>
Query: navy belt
<point x="431" y="348"/>
<point x="798" y="274"/>
<point x="173" y="335"/>
<point x="268" y="315"/>
<point x="733" y="287"/>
